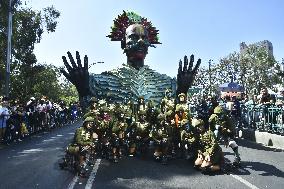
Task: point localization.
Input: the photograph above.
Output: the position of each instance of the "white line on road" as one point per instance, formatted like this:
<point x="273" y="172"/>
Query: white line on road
<point x="244" y="181"/>
<point x="93" y="175"/>
<point x="73" y="182"/>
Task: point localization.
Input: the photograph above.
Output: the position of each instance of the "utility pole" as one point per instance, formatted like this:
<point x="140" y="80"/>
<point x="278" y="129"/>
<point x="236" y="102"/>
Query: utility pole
<point x="282" y="69"/>
<point x="209" y="69"/>
<point x="9" y="49"/>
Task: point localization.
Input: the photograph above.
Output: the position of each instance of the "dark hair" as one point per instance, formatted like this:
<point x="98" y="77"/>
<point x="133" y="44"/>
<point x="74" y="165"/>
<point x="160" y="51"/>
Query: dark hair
<point x="5" y="98"/>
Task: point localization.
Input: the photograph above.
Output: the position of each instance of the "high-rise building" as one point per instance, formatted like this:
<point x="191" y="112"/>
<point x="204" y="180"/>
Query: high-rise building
<point x="266" y="44"/>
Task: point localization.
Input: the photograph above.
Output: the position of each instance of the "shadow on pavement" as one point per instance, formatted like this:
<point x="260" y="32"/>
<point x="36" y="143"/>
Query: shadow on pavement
<point x="257" y="146"/>
<point x="140" y="170"/>
<point x="265" y="169"/>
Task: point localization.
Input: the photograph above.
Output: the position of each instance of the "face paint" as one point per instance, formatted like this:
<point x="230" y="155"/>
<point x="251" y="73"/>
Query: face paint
<point x="181" y="99"/>
<point x="137" y="42"/>
<point x="168" y="94"/>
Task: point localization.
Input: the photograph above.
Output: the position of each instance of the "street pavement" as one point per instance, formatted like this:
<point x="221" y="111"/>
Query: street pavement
<point x="33" y="163"/>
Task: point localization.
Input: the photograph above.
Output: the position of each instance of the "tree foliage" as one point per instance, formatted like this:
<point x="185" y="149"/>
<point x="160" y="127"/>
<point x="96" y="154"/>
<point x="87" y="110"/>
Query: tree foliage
<point x="253" y="68"/>
<point x="259" y="68"/>
<point x="28" y="77"/>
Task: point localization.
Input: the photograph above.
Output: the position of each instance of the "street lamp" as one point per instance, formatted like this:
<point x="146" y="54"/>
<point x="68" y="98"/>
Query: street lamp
<point x="96" y="63"/>
<point x="209" y="69"/>
<point x="9" y="47"/>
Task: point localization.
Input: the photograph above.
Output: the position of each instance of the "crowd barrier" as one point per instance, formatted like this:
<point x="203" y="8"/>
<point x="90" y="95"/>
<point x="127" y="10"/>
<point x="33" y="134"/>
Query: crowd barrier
<point x="266" y="118"/>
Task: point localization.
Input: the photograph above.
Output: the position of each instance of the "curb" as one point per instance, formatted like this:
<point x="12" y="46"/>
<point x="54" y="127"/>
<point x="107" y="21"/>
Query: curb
<point x="267" y="139"/>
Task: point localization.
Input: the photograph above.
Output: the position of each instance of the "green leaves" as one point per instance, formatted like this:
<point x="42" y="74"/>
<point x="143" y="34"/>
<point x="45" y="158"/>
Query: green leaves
<point x="253" y="68"/>
<point x="28" y="77"/>
<point x="50" y="16"/>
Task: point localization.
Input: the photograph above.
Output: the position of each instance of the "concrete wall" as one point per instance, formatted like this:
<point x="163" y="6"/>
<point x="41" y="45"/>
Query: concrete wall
<point x="267" y="139"/>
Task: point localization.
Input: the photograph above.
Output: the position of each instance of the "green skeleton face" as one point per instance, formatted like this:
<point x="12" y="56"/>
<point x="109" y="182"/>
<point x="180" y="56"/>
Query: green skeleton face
<point x="137" y="42"/>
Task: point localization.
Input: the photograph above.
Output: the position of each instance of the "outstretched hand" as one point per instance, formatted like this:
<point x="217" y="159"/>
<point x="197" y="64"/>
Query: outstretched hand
<point x="77" y="74"/>
<point x="186" y="74"/>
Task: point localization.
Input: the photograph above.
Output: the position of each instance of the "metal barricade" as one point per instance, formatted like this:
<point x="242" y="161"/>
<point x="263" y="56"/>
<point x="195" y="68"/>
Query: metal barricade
<point x="267" y="118"/>
<point x="274" y="123"/>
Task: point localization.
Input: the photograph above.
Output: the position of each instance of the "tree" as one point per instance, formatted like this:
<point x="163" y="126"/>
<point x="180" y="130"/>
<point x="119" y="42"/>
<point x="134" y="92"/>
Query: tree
<point x="28" y="27"/>
<point x="69" y="93"/>
<point x="253" y="68"/>
<point x="259" y="68"/>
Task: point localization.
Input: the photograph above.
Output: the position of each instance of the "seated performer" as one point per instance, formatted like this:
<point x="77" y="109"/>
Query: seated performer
<point x="224" y="129"/>
<point x="161" y="137"/>
<point x="82" y="142"/>
<point x="210" y="154"/>
<point x="138" y="135"/>
<point x="118" y="133"/>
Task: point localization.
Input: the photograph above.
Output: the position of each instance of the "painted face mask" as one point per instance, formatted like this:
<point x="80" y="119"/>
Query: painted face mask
<point x="137" y="42"/>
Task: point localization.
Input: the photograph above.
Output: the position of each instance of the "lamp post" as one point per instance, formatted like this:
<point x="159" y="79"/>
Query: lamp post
<point x="282" y="68"/>
<point x="9" y="49"/>
<point x="9" y="45"/>
<point x="209" y="69"/>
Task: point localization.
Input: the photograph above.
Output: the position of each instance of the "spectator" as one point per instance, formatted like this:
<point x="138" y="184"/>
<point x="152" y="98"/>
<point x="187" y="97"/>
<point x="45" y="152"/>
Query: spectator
<point x="280" y="99"/>
<point x="31" y="115"/>
<point x="4" y="116"/>
<point x="265" y="97"/>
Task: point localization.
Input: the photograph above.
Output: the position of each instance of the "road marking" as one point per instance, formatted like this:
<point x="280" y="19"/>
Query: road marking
<point x="244" y="181"/>
<point x="73" y="182"/>
<point x="93" y="175"/>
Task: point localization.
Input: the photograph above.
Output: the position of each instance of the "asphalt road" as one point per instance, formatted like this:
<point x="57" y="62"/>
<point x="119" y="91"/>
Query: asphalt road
<point x="33" y="163"/>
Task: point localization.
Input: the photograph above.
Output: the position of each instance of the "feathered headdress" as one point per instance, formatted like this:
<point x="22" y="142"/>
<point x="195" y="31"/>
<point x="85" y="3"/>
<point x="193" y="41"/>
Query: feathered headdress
<point x="128" y="18"/>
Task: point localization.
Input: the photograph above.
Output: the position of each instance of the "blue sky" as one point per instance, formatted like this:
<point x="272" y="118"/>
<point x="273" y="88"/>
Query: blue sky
<point x="209" y="29"/>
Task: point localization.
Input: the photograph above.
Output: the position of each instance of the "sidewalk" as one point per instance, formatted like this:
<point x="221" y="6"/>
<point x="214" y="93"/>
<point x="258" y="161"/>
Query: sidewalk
<point x="267" y="139"/>
<point x="1" y="146"/>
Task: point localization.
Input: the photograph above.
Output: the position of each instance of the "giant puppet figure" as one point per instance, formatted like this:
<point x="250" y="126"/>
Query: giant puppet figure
<point x="134" y="79"/>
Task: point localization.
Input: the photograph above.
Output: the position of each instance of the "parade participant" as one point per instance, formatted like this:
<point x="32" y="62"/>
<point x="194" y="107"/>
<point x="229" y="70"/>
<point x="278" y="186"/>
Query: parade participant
<point x="138" y="134"/>
<point x="170" y="123"/>
<point x="141" y="104"/>
<point x="161" y="137"/>
<point x="151" y="114"/>
<point x="182" y="102"/>
<point x="224" y="129"/>
<point x="82" y="142"/>
<point x="203" y="112"/>
<point x="105" y="124"/>
<point x="128" y="113"/>
<point x="189" y="140"/>
<point x="118" y="134"/>
<point x="168" y="102"/>
<point x="181" y="122"/>
<point x="210" y="154"/>
<point x="92" y="110"/>
<point x="134" y="78"/>
<point x="181" y="117"/>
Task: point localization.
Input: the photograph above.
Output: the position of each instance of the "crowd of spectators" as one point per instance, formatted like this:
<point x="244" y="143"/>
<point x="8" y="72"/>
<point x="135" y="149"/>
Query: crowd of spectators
<point x="264" y="110"/>
<point x="21" y="119"/>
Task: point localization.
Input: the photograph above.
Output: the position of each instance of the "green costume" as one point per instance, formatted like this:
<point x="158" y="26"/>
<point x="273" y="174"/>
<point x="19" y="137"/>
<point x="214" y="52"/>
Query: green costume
<point x="139" y="131"/>
<point x="119" y="125"/>
<point x="220" y="121"/>
<point x="82" y="137"/>
<point x="162" y="130"/>
<point x="223" y="127"/>
<point x="167" y="103"/>
<point x="161" y="136"/>
<point x="209" y="146"/>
